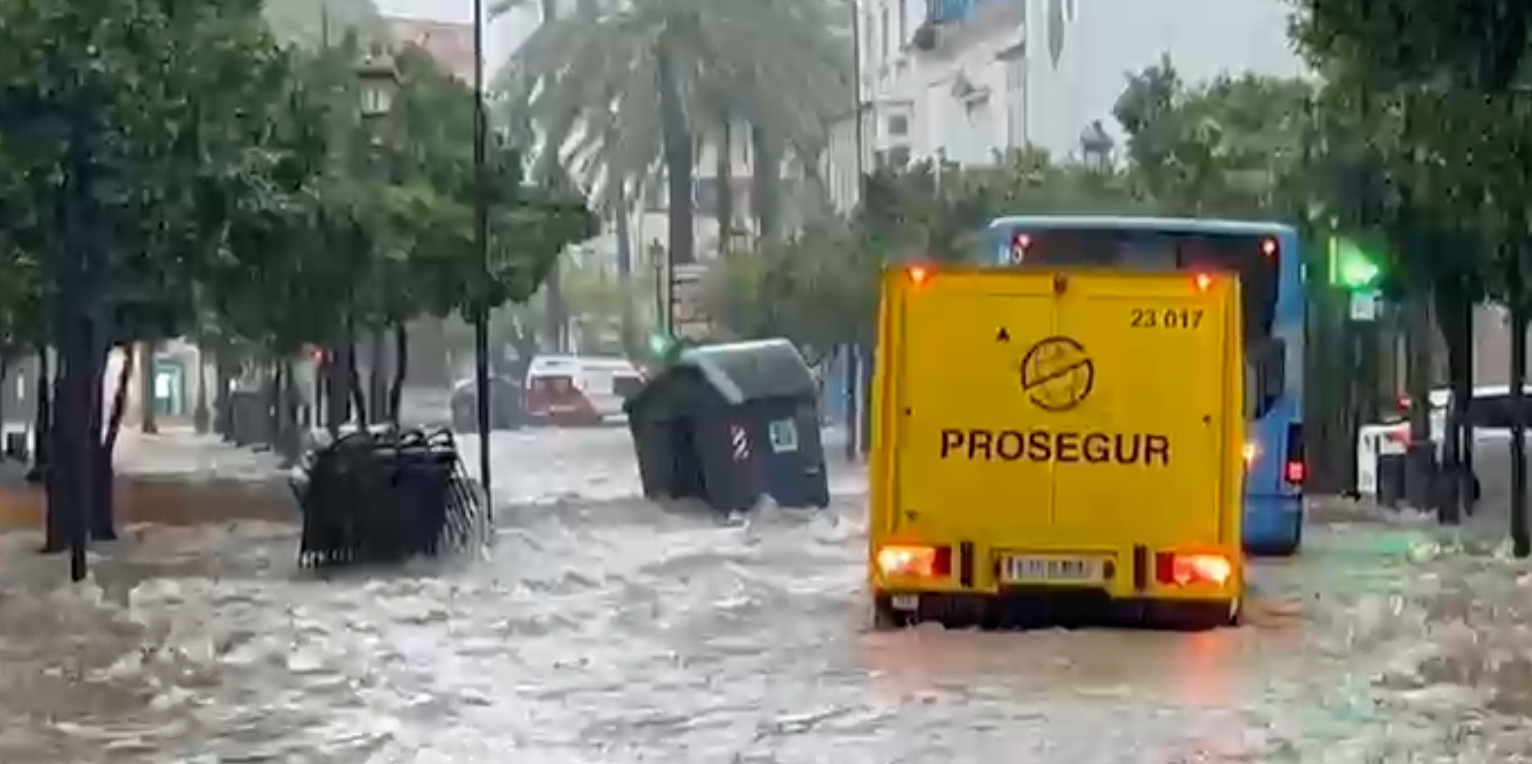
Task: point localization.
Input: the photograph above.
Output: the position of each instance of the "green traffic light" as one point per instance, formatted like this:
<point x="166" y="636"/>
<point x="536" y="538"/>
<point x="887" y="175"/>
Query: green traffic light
<point x="660" y="343"/>
<point x="1351" y="266"/>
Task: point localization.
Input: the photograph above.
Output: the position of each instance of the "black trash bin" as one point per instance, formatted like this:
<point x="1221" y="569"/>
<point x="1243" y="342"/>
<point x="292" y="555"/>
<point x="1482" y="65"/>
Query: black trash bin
<point x="729" y="424"/>
<point x="249" y="418"/>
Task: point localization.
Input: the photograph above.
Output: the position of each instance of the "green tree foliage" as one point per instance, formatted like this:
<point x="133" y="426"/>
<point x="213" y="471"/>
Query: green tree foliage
<point x="1220" y="148"/>
<point x="1426" y="121"/>
<point x="172" y="168"/>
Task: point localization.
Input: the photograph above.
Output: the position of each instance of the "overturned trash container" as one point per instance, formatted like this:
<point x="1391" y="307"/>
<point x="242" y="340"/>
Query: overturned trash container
<point x="731" y="423"/>
<point x="383" y="496"/>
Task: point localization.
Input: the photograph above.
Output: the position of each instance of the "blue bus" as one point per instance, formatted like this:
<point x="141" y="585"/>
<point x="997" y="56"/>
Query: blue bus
<point x="1267" y="259"/>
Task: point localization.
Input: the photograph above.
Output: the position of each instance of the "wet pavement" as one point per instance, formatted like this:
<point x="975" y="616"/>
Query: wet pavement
<point x="602" y="628"/>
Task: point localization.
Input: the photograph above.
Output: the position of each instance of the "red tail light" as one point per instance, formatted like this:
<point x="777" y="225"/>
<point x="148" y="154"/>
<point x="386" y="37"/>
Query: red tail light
<point x="1020" y="243"/>
<point x="1204" y="282"/>
<point x="1294" y="472"/>
<point x="918" y="274"/>
<point x="1175" y="569"/>
<point x="1294" y="467"/>
<point x="915" y="561"/>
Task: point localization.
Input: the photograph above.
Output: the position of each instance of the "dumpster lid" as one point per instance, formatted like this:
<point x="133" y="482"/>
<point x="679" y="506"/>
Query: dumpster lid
<point x="747" y="371"/>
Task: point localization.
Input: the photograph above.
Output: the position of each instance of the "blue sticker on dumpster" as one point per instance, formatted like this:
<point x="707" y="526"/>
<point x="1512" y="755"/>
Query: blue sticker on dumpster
<point x="784" y="436"/>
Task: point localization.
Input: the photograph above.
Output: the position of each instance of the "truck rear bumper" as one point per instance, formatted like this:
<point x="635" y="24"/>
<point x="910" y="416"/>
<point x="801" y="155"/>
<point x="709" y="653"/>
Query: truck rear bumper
<point x="1030" y="608"/>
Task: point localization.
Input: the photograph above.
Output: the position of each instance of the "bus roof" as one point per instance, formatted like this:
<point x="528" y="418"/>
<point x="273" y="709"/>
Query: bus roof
<point x="1145" y="223"/>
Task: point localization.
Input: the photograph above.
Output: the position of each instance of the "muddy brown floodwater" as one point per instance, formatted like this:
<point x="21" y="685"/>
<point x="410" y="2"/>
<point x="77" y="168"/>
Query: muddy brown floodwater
<point x="601" y="628"/>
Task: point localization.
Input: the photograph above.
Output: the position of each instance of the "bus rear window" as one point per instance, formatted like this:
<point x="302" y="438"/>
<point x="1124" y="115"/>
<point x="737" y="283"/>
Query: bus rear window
<point x="1255" y="259"/>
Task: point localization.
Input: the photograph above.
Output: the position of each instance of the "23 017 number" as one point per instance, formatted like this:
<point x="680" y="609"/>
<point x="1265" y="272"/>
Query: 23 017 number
<point x="1165" y="318"/>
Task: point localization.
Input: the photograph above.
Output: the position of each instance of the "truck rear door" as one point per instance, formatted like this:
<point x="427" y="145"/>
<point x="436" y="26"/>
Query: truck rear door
<point x="963" y="421"/>
<point x="1086" y="410"/>
<point x="1141" y="451"/>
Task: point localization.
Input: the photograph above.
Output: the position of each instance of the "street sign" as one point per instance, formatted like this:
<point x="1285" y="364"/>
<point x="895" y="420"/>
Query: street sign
<point x="1364" y="305"/>
<point x="688" y="315"/>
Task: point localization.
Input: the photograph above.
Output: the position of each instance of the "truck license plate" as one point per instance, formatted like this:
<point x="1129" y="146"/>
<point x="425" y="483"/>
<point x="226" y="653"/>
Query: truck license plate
<point x="1052" y="570"/>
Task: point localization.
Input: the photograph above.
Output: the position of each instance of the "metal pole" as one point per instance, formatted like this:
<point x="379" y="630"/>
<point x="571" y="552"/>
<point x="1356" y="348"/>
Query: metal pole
<point x="851" y="368"/>
<point x="481" y="241"/>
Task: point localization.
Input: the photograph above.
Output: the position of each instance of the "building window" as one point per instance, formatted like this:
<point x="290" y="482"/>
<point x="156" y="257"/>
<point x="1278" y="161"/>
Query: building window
<point x="904" y="23"/>
<point x="898" y="125"/>
<point x="899" y="157"/>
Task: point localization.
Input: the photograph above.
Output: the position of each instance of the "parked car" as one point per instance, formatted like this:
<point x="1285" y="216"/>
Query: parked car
<point x="579" y="390"/>
<point x="1489" y="413"/>
<point x="506" y="405"/>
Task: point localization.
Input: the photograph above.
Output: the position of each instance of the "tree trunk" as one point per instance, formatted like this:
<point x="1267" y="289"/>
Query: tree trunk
<point x="201" y="415"/>
<point x="630" y="340"/>
<point x="103" y="527"/>
<point x="725" y="175"/>
<point x="377" y="384"/>
<point x="557" y="308"/>
<point x="5" y="376"/>
<point x="1454" y="314"/>
<point x="679" y="161"/>
<point x="149" y="421"/>
<point x="223" y="404"/>
<point x="42" y="418"/>
<point x="119" y="397"/>
<point x="336" y="390"/>
<point x="1420" y="458"/>
<point x="286" y="441"/>
<point x="401" y="369"/>
<point x="354" y="384"/>
<point x="98" y="460"/>
<point x="1521" y="544"/>
<point x="766" y="187"/>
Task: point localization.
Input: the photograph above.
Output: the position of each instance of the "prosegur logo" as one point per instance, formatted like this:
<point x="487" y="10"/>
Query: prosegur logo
<point x="1057" y="374"/>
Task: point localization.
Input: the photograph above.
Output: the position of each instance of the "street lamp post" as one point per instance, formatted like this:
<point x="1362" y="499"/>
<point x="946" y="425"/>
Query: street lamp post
<point x="859" y="143"/>
<point x="379" y="85"/>
<point x="481" y="243"/>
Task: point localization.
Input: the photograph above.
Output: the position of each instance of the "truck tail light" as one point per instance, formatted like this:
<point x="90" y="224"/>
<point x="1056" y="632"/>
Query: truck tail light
<point x="915" y="561"/>
<point x="1178" y="569"/>
<point x="1294" y="468"/>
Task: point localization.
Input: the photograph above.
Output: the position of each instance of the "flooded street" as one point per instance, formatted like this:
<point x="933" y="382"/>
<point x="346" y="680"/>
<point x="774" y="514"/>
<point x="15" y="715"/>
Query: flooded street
<point x="601" y="628"/>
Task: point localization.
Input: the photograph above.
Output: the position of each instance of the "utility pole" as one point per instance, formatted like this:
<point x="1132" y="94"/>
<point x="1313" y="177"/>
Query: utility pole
<point x="851" y="351"/>
<point x="481" y="243"/>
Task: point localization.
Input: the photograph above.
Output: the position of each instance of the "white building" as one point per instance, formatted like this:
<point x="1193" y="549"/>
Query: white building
<point x="967" y="79"/>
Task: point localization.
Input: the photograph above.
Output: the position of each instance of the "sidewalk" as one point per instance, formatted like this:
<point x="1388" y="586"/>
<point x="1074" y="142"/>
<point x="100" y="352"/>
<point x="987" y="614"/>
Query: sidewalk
<point x="174" y="478"/>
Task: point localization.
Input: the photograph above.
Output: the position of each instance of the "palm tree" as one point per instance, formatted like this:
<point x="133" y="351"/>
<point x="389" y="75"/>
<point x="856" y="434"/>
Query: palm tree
<point x="616" y="88"/>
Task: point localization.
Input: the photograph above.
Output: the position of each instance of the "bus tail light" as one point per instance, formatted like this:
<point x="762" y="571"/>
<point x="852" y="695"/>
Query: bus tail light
<point x="1178" y="569"/>
<point x="918" y="274"/>
<point x="1204" y="281"/>
<point x="1270" y="247"/>
<point x="915" y="561"/>
<point x="1294" y="468"/>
